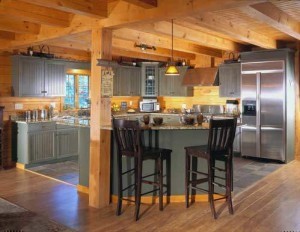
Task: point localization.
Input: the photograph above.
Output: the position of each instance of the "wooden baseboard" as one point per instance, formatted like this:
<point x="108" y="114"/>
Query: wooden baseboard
<point x="173" y="199"/>
<point x="21" y="166"/>
<point x="82" y="189"/>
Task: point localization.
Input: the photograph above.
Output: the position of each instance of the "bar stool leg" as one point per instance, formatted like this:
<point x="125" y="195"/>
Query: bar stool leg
<point x="138" y="189"/>
<point x="161" y="182"/>
<point x="120" y="186"/>
<point x="229" y="186"/>
<point x="168" y="177"/>
<point x="187" y="179"/>
<point x="210" y="188"/>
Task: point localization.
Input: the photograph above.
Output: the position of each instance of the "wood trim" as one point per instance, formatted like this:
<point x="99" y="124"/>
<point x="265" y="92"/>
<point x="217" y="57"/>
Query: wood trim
<point x="20" y="166"/>
<point x="82" y="189"/>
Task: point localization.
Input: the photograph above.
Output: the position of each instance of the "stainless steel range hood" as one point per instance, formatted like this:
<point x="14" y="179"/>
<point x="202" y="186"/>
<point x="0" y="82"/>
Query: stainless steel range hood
<point x="201" y="77"/>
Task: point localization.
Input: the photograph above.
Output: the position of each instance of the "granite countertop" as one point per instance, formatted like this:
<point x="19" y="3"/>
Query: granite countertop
<point x="71" y="121"/>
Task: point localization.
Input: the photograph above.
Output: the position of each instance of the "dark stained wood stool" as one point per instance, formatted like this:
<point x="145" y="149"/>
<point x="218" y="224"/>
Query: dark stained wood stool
<point x="129" y="138"/>
<point x="219" y="148"/>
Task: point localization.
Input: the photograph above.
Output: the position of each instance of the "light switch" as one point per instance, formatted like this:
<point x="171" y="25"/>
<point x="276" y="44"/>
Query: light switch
<point x="18" y="106"/>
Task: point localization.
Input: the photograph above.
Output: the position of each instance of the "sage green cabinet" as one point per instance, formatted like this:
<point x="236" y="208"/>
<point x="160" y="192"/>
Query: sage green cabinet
<point x="127" y="81"/>
<point x="43" y="142"/>
<point x="150" y="79"/>
<point x="172" y="85"/>
<point x="38" y="77"/>
<point x="230" y="80"/>
<point x="66" y="143"/>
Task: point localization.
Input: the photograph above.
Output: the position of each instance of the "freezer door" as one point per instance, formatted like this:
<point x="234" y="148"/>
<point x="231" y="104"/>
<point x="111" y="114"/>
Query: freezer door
<point x="272" y="143"/>
<point x="249" y="141"/>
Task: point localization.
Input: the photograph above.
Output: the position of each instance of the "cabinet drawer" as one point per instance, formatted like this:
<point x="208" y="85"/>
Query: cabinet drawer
<point x="42" y="126"/>
<point x="65" y="126"/>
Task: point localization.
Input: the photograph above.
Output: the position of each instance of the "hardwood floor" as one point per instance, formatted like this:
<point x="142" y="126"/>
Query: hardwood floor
<point x="273" y="204"/>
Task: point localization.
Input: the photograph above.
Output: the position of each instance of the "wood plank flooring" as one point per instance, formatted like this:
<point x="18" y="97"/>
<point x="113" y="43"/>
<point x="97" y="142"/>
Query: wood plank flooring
<point x="273" y="204"/>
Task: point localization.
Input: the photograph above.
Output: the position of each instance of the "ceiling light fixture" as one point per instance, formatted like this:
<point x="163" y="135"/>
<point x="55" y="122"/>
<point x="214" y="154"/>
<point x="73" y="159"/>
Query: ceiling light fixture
<point x="171" y="69"/>
<point x="144" y="47"/>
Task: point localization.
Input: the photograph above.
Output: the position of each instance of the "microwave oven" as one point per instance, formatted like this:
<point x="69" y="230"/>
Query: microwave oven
<point x="149" y="106"/>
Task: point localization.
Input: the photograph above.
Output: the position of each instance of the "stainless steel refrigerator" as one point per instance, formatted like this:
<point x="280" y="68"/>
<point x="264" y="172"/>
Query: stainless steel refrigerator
<point x="264" y="98"/>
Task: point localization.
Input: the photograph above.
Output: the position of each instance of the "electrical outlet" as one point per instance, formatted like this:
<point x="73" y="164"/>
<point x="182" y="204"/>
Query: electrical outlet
<point x="18" y="106"/>
<point x="130" y="103"/>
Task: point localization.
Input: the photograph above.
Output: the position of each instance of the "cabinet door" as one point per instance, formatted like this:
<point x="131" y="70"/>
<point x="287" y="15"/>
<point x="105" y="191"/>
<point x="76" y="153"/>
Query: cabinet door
<point x="135" y="82"/>
<point x="150" y="79"/>
<point x="165" y="83"/>
<point x="67" y="142"/>
<point x="230" y="80"/>
<point x="31" y="77"/>
<point x="55" y="78"/>
<point x="124" y="81"/>
<point x="41" y="146"/>
<point x="178" y="88"/>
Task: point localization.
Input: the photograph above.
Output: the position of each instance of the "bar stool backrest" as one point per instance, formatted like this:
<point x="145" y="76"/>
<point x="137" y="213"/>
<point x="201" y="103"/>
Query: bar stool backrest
<point x="221" y="136"/>
<point x="128" y="137"/>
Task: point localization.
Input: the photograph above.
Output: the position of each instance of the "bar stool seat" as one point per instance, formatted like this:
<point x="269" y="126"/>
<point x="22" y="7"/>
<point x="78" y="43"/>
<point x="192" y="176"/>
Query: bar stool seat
<point x="218" y="148"/>
<point x="128" y="135"/>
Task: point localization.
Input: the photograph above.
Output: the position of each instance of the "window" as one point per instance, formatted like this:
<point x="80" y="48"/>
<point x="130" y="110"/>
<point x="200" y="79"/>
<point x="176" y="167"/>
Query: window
<point x="77" y="90"/>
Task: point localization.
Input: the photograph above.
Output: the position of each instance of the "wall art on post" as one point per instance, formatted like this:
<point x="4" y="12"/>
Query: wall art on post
<point x="107" y="82"/>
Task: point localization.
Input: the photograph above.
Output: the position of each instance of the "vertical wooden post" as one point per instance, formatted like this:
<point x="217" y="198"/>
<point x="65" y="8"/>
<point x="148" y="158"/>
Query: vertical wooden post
<point x="99" y="176"/>
<point x="297" y="76"/>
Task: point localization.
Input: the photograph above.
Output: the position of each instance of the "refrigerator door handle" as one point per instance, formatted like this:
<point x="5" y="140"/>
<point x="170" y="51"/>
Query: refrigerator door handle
<point x="271" y="128"/>
<point x="248" y="127"/>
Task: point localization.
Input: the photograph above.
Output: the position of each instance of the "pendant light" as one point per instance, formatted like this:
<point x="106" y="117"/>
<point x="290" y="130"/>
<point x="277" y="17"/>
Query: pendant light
<point x="171" y="69"/>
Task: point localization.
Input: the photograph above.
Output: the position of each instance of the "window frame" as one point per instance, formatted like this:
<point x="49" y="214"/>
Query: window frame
<point x="77" y="73"/>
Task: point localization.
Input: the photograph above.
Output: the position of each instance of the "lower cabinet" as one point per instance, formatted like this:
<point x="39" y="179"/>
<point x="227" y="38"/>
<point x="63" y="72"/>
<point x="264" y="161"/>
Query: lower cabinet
<point x="66" y="142"/>
<point x="41" y="146"/>
<point x="45" y="142"/>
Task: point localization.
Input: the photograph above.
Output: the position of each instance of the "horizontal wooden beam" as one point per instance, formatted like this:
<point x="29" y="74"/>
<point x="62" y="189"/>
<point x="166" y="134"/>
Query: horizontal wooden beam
<point x="12" y="25"/>
<point x="143" y="3"/>
<point x="229" y="27"/>
<point x="33" y="13"/>
<point x="276" y="18"/>
<point x="164" y="42"/>
<point x="138" y="55"/>
<point x="7" y="35"/>
<point x="130" y="46"/>
<point x="78" y="24"/>
<point x="166" y="9"/>
<point x="187" y="34"/>
<point x="91" y="8"/>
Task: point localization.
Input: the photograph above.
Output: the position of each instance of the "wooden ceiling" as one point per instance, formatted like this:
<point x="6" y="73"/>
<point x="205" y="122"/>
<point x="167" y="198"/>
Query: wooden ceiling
<point x="207" y="27"/>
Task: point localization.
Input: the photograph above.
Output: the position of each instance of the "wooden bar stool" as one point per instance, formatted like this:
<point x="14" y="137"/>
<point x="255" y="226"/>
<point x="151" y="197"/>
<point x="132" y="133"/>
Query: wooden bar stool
<point x="219" y="148"/>
<point x="128" y="135"/>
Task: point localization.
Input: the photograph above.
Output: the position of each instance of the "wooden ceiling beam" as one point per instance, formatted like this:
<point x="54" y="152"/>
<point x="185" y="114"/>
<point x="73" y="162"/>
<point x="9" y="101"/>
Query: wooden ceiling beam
<point x="166" y="9"/>
<point x="10" y="25"/>
<point x="138" y="55"/>
<point x="7" y="35"/>
<point x="191" y="35"/>
<point x="228" y="27"/>
<point x="143" y="3"/>
<point x="33" y="13"/>
<point x="79" y="24"/>
<point x="273" y="16"/>
<point x="91" y="8"/>
<point x="130" y="46"/>
<point x="164" y="42"/>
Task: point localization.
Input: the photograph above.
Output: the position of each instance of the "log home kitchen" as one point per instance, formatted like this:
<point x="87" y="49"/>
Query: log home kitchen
<point x="115" y="113"/>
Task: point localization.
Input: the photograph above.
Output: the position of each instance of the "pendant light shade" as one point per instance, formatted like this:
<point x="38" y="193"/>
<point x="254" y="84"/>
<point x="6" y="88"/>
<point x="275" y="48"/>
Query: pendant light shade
<point x="171" y="69"/>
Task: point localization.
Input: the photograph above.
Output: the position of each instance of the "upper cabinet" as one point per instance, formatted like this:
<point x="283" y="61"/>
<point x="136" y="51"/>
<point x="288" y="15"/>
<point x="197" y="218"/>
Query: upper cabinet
<point x="38" y="77"/>
<point x="172" y="85"/>
<point x="127" y="81"/>
<point x="149" y="85"/>
<point x="230" y="80"/>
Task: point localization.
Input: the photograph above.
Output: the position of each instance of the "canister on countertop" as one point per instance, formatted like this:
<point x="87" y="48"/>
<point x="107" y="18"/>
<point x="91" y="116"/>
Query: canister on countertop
<point x="44" y="114"/>
<point x="28" y="115"/>
<point x="35" y="115"/>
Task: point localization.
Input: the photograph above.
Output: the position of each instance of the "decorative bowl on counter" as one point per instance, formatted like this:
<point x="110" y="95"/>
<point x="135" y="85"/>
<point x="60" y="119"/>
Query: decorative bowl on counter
<point x="158" y="120"/>
<point x="187" y="119"/>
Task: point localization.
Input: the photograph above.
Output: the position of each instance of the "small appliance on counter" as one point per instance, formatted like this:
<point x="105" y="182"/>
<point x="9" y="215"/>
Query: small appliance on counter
<point x="149" y="105"/>
<point x="232" y="107"/>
